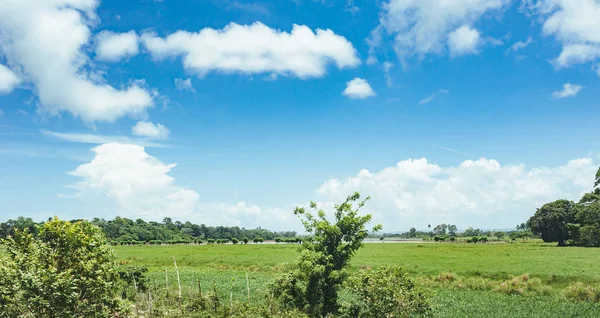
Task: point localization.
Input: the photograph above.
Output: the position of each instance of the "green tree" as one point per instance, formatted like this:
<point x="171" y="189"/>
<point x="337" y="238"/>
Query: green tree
<point x="67" y="270"/>
<point x="245" y="240"/>
<point x="452" y="229"/>
<point x="412" y="232"/>
<point x="317" y="276"/>
<point x="550" y="221"/>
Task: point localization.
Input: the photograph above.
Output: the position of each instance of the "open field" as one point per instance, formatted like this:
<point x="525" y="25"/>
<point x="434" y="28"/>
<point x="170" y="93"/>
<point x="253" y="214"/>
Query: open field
<point x="227" y="265"/>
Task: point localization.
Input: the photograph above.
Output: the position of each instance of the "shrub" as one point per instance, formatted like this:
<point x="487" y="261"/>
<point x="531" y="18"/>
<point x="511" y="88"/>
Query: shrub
<point x="474" y="239"/>
<point x="67" y="270"/>
<point x="386" y="292"/>
<point x="581" y="292"/>
<point x="245" y="240"/>
<point x="235" y="240"/>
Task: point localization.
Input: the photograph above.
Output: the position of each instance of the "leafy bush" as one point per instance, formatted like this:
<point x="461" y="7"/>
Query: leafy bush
<point x="581" y="292"/>
<point x="386" y="292"/>
<point x="67" y="270"/>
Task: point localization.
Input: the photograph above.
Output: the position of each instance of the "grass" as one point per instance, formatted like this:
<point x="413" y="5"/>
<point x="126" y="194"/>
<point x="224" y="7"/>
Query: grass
<point x="556" y="266"/>
<point x="225" y="267"/>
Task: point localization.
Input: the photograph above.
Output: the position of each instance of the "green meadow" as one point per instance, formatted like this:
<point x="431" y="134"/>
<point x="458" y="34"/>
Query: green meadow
<point x="477" y="270"/>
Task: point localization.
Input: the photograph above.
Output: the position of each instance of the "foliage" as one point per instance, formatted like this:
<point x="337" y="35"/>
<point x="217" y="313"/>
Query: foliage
<point x="550" y="221"/>
<point x="317" y="276"/>
<point x="67" y="270"/>
<point x="386" y="292"/>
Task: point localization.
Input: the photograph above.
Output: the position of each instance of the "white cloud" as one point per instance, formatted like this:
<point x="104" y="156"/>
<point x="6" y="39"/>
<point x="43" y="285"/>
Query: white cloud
<point x="521" y="44"/>
<point x="100" y="139"/>
<point x="444" y="91"/>
<point x="139" y="185"/>
<point x="358" y="88"/>
<point x="148" y="129"/>
<point x="387" y="66"/>
<point x="113" y="47"/>
<point x="420" y="27"/>
<point x="256" y="48"/>
<point x="47" y="40"/>
<point x="8" y="80"/>
<point x="480" y="193"/>
<point x="463" y="40"/>
<point x="573" y="23"/>
<point x="568" y="90"/>
<point x="184" y="84"/>
<point x="427" y="99"/>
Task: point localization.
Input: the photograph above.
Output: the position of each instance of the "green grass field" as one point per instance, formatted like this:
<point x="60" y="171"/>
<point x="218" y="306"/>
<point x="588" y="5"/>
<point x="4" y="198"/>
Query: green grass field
<point x="226" y="266"/>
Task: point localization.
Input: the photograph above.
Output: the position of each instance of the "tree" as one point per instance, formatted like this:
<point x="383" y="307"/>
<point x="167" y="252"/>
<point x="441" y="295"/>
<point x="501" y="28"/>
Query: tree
<point x="245" y="240"/>
<point x="67" y="270"/>
<point x="597" y="179"/>
<point x="452" y="229"/>
<point x="412" y="232"/>
<point x="550" y="221"/>
<point x="235" y="240"/>
<point x="316" y="278"/>
<point x="440" y="229"/>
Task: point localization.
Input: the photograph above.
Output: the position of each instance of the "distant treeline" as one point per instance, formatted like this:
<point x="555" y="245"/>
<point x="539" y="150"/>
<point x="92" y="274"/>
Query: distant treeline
<point x="442" y="232"/>
<point x="127" y="231"/>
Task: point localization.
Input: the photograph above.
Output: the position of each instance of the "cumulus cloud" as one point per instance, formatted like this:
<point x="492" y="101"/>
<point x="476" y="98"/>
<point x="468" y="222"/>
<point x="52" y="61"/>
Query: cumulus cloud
<point x="568" y="90"/>
<point x="420" y="27"/>
<point x="575" y="25"/>
<point x="8" y="80"/>
<point x="254" y="49"/>
<point x="46" y="41"/>
<point x="358" y="88"/>
<point x="184" y="84"/>
<point x="148" y="129"/>
<point x="113" y="47"/>
<point x="464" y="40"/>
<point x="139" y="185"/>
<point x="482" y="193"/>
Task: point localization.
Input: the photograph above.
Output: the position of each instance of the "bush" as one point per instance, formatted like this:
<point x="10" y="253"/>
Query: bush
<point x="386" y="292"/>
<point x="235" y="240"/>
<point x="67" y="270"/>
<point x="581" y="292"/>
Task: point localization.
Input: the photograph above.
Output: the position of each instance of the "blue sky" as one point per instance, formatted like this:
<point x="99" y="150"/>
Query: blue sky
<point x="471" y="112"/>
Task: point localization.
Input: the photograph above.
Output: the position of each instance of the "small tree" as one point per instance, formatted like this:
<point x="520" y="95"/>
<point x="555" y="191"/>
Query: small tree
<point x="245" y="240"/>
<point x="235" y="240"/>
<point x="318" y="274"/>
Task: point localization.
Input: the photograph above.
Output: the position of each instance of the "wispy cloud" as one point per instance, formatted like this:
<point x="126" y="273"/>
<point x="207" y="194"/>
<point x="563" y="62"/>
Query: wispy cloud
<point x="102" y="139"/>
<point x="568" y="90"/>
<point x="449" y="149"/>
<point x="250" y="7"/>
<point x="427" y="99"/>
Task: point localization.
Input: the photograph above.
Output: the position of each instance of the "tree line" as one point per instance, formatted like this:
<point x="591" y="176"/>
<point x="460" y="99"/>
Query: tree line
<point x="126" y="231"/>
<point x="568" y="222"/>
